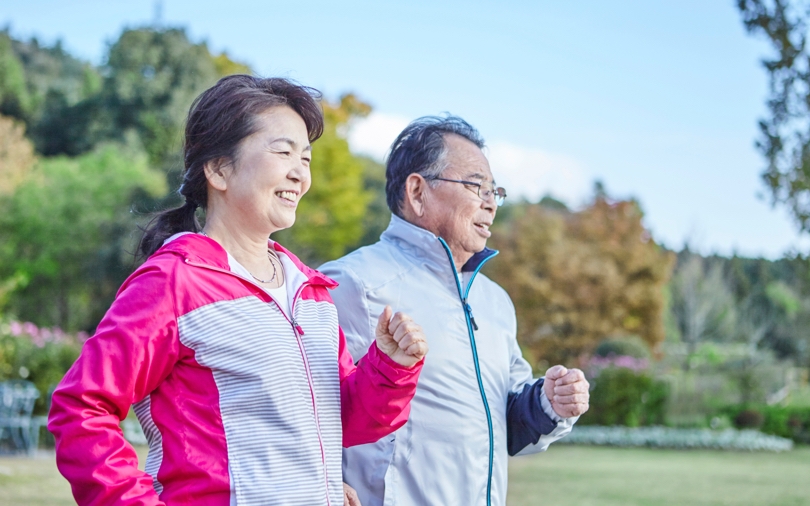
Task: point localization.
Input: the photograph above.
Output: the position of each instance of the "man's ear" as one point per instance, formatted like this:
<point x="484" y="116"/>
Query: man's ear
<point x="217" y="172"/>
<point x="415" y="194"/>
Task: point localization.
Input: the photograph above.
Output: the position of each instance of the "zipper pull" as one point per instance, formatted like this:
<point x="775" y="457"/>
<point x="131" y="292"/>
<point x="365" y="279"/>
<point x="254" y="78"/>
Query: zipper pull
<point x="297" y="327"/>
<point x="469" y="312"/>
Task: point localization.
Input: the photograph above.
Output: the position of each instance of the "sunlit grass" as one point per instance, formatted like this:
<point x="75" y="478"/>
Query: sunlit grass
<point x="572" y="475"/>
<point x="603" y="476"/>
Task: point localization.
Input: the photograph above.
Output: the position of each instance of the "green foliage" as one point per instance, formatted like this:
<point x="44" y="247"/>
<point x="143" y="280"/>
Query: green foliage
<point x="631" y="346"/>
<point x="14" y="98"/>
<point x="61" y="115"/>
<point x="153" y="75"/>
<point x="64" y="230"/>
<point x="39" y="355"/>
<point x="785" y="132"/>
<point x="702" y="304"/>
<point x="784" y="298"/>
<point x="785" y="421"/>
<point x="621" y="396"/>
<point x="749" y="419"/>
<point x="377" y="215"/>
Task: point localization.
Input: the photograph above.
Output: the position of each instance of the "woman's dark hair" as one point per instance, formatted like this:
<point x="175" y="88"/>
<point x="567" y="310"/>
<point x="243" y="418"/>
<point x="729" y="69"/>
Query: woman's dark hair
<point x="420" y="149"/>
<point x="219" y="119"/>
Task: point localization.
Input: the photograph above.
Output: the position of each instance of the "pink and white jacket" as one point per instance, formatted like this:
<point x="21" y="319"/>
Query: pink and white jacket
<point x="239" y="404"/>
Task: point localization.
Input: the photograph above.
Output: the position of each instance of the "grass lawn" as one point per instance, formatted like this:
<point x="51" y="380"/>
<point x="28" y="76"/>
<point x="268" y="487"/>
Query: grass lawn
<point x="583" y="476"/>
<point x="35" y="481"/>
<point x="567" y="475"/>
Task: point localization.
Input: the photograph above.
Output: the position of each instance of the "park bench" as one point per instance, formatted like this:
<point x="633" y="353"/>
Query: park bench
<point x="19" y="431"/>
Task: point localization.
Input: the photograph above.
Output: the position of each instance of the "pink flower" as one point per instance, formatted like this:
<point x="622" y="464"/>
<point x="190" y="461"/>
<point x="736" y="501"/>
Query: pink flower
<point x="45" y="334"/>
<point x="30" y="329"/>
<point x="597" y="364"/>
<point x="82" y="336"/>
<point x="16" y="328"/>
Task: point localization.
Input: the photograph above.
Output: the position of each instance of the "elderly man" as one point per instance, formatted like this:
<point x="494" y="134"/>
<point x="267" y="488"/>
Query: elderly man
<point x="476" y="401"/>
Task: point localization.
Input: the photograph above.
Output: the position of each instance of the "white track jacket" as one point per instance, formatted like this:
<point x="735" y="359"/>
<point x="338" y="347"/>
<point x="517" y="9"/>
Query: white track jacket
<point x="476" y="401"/>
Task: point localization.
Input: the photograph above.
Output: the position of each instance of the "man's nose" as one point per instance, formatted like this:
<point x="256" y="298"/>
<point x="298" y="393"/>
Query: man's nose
<point x="489" y="203"/>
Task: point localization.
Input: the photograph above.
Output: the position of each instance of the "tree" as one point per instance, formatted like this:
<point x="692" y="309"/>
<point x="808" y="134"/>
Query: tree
<point x="64" y="232"/>
<point x="57" y="87"/>
<point x="14" y="97"/>
<point x="785" y="133"/>
<point x="579" y="277"/>
<point x="702" y="304"/>
<point x="16" y="155"/>
<point x="153" y="75"/>
<point x="377" y="215"/>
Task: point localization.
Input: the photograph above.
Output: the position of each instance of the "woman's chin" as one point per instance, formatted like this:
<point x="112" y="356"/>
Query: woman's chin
<point x="280" y="224"/>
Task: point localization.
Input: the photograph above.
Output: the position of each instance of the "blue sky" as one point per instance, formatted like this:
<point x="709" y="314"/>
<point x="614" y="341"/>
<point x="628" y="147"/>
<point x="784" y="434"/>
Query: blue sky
<point x="659" y="100"/>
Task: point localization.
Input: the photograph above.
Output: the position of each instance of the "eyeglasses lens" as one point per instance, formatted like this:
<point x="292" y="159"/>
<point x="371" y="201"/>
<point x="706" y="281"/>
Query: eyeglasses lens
<point x="487" y="190"/>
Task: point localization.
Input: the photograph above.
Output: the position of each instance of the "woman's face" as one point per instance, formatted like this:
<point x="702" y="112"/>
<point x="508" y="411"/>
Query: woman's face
<point x="270" y="175"/>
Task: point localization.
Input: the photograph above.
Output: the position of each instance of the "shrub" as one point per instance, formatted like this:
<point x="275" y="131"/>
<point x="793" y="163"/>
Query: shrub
<point x="749" y="419"/>
<point x="40" y="355"/>
<point x="785" y="421"/>
<point x="631" y="346"/>
<point x="624" y="396"/>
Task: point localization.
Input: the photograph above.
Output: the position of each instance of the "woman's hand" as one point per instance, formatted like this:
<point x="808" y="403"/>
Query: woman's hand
<point x="400" y="338"/>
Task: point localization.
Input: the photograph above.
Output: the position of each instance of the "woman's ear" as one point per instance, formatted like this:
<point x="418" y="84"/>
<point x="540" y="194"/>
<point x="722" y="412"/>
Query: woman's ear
<point x="217" y="173"/>
<point x="415" y="194"/>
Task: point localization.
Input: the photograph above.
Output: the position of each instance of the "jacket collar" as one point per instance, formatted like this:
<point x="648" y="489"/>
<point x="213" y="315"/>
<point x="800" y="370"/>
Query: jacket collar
<point x="426" y="246"/>
<point x="199" y="249"/>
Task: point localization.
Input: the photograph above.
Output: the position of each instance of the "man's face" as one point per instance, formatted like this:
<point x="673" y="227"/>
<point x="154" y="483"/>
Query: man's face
<point x="454" y="211"/>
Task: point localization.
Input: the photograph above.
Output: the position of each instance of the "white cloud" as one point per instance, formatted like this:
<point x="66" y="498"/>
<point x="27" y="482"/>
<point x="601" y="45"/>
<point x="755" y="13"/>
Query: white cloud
<point x="533" y="173"/>
<point x="374" y="135"/>
<point x="524" y="171"/>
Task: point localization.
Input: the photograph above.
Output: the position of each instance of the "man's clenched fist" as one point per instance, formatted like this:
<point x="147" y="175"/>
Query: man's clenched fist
<point x="400" y="338"/>
<point x="567" y="390"/>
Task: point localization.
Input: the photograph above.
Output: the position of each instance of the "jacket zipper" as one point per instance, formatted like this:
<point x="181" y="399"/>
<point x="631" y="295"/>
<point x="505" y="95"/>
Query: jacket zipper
<point x="298" y="331"/>
<point x="471" y="328"/>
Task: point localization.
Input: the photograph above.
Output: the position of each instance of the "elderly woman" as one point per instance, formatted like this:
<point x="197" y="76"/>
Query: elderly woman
<point x="225" y="344"/>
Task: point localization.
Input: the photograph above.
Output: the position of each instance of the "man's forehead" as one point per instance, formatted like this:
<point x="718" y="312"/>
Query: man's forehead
<point x="465" y="159"/>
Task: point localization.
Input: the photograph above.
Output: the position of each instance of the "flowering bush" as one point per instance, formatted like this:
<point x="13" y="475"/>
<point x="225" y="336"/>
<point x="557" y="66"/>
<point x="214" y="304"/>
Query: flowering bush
<point x="38" y="354"/>
<point x="666" y="437"/>
<point x="596" y="364"/>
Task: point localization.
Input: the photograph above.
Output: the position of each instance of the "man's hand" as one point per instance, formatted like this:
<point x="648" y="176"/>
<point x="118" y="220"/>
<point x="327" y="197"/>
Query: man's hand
<point x="567" y="390"/>
<point x="400" y="338"/>
<point x="350" y="496"/>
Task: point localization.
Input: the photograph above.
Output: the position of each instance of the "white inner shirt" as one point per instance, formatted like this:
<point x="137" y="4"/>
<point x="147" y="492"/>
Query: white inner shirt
<point x="278" y="294"/>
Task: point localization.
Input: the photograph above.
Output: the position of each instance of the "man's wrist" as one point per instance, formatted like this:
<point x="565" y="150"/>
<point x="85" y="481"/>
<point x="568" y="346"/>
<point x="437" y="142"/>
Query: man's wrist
<point x="547" y="408"/>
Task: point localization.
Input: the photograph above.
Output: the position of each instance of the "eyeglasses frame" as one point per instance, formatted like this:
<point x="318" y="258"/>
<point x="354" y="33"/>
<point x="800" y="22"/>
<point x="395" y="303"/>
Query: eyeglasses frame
<point x="496" y="191"/>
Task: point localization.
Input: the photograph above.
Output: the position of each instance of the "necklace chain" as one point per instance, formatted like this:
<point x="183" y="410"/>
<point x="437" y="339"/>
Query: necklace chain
<point x="270" y="257"/>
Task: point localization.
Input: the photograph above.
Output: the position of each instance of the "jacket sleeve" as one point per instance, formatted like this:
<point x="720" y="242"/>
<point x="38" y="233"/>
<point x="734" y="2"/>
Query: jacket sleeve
<point x="133" y="350"/>
<point x="375" y="395"/>
<point x="531" y="423"/>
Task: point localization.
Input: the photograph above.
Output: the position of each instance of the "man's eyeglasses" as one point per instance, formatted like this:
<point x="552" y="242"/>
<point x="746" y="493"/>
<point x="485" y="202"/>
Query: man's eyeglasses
<point x="486" y="190"/>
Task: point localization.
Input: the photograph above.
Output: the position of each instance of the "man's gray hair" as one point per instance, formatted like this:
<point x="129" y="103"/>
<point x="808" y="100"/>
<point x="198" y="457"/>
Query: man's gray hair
<point x="420" y="149"/>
